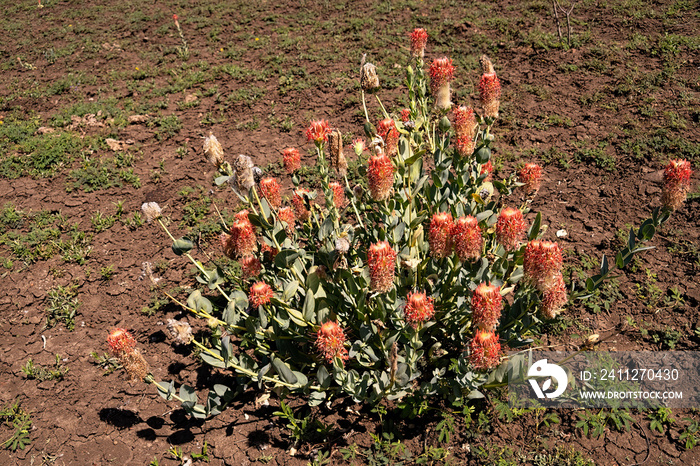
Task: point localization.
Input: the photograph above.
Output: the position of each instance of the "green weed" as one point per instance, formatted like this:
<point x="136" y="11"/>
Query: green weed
<point x="18" y="420"/>
<point x="40" y="373"/>
<point x="62" y="306"/>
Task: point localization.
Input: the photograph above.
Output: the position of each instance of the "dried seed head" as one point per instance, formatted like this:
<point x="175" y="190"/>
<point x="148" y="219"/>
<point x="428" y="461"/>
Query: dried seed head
<point x="123" y="346"/>
<point x="487" y="305"/>
<point x="151" y="210"/>
<point x="531" y="176"/>
<point x="419" y="308"/>
<point x="466" y="238"/>
<point x="387" y="130"/>
<point x="369" y="81"/>
<point x="510" y="228"/>
<point x="243" y="167"/>
<point x="270" y="190"/>
<point x="335" y="149"/>
<point x="676" y="183"/>
<point x="180" y="331"/>
<point x="213" y="150"/>
<point x="300" y="201"/>
<point x="330" y="342"/>
<point x="318" y="131"/>
<point x="291" y="160"/>
<point x="439" y="234"/>
<point x="542" y="263"/>
<point x="260" y="293"/>
<point x="489" y="89"/>
<point x="381" y="260"/>
<point x="135" y="366"/>
<point x="485" y="350"/>
<point x="419" y="39"/>
<point x="250" y="266"/>
<point x="380" y="172"/>
<point x="342" y="245"/>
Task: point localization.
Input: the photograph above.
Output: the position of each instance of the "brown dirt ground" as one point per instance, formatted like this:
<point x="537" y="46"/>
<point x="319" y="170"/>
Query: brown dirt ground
<point x="92" y="418"/>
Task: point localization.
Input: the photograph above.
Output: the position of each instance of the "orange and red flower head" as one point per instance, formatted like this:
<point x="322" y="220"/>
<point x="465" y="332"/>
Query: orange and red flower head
<point x="299" y="202"/>
<point x="542" y="263"/>
<point x="485" y="350"/>
<point x="270" y="189"/>
<point x="338" y="194"/>
<point x="466" y="238"/>
<point x="489" y="89"/>
<point x="554" y="298"/>
<point x="676" y="183"/>
<point x="381" y="260"/>
<point x="419" y="39"/>
<point x="291" y="158"/>
<point x="250" y="266"/>
<point x="286" y="214"/>
<point x="531" y="176"/>
<point x="441" y="73"/>
<point x="318" y="131"/>
<point x="120" y="341"/>
<point x="241" y="240"/>
<point x="419" y="308"/>
<point x="487" y="305"/>
<point x="510" y="228"/>
<point x="439" y="234"/>
<point x="380" y="172"/>
<point x="330" y="342"/>
<point x="390" y="134"/>
<point x="260" y="293"/>
<point x="406" y="115"/>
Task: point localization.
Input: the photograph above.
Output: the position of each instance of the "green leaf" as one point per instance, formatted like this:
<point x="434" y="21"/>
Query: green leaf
<point x="630" y="240"/>
<point x="263" y="317"/>
<point x="483" y="215"/>
<point x="212" y="360"/>
<point x="324" y="378"/>
<point x="166" y="389"/>
<point x="231" y="316"/>
<point x="309" y="307"/>
<point x="286" y="257"/>
<point x="198" y="302"/>
<point x="535" y="227"/>
<point x="483" y="155"/>
<point x="316" y="398"/>
<point x="290" y="290"/>
<point x="182" y="246"/>
<point x="326" y="228"/>
<point x="226" y="350"/>
<point x="219" y="180"/>
<point x="646" y="232"/>
<point x="604" y="265"/>
<point x="284" y="371"/>
<point x="187" y="393"/>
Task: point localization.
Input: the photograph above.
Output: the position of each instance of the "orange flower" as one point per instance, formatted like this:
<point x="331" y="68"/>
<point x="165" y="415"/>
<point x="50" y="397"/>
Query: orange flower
<point x="466" y="238"/>
<point x="318" y="131"/>
<point x="487" y="305"/>
<point x="241" y="241"/>
<point x="554" y="298"/>
<point x="439" y="234"/>
<point x="386" y="129"/>
<point x="338" y="194"/>
<point x="441" y="73"/>
<point x="120" y="341"/>
<point x="291" y="159"/>
<point x="531" y="176"/>
<point x="381" y="260"/>
<point x="406" y="115"/>
<point x="330" y="342"/>
<point x="286" y="215"/>
<point x="510" y="228"/>
<point x="380" y="172"/>
<point x="419" y="39"/>
<point x="485" y="350"/>
<point x="299" y="202"/>
<point x="489" y="88"/>
<point x="676" y="183"/>
<point x="250" y="266"/>
<point x="419" y="308"/>
<point x="270" y="189"/>
<point x="260" y="293"/>
<point x="542" y="263"/>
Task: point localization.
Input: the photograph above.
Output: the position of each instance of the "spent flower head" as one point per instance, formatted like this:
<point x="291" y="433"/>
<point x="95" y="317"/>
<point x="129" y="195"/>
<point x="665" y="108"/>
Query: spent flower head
<point x="181" y="331"/>
<point x="554" y="298"/>
<point x="489" y="88"/>
<point x="213" y="150"/>
<point x="369" y="81"/>
<point x="250" y="266"/>
<point x="151" y="210"/>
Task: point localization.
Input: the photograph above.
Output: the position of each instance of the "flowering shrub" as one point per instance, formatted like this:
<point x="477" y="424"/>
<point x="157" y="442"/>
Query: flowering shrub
<point x="412" y="288"/>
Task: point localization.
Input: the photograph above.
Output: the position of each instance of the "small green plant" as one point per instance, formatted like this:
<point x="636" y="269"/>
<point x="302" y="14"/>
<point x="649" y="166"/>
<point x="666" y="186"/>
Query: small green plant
<point x="594" y="424"/>
<point x="106" y="362"/>
<point x="107" y="272"/>
<point x="62" y="306"/>
<point x="690" y="434"/>
<point x="40" y="373"/>
<point x="304" y="428"/>
<point x="660" y="419"/>
<point x="19" y="421"/>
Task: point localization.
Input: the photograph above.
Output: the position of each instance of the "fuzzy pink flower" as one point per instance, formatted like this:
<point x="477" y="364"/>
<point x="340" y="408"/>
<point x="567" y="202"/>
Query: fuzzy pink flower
<point x="419" y="39"/>
<point x="380" y="172"/>
<point x="318" y="131"/>
<point x="542" y="263"/>
<point x="299" y="203"/>
<point x="338" y="194"/>
<point x="250" y="266"/>
<point x="485" y="350"/>
<point x="390" y="134"/>
<point x="381" y="260"/>
<point x="554" y="298"/>
<point x="439" y="234"/>
<point x="260" y="293"/>
<point x="270" y="189"/>
<point x="510" y="228"/>
<point x="489" y="89"/>
<point x="291" y="159"/>
<point x="419" y="308"/>
<point x="330" y="342"/>
<point x="466" y="238"/>
<point x="531" y="176"/>
<point x="441" y="73"/>
<point x="120" y="341"/>
<point x="676" y="183"/>
<point x="487" y="305"/>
